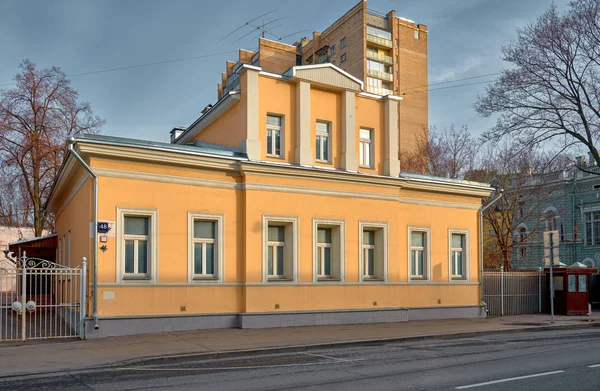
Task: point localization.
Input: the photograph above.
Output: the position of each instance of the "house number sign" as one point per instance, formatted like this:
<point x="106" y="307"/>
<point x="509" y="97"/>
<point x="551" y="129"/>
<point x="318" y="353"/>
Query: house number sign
<point x="103" y="227"/>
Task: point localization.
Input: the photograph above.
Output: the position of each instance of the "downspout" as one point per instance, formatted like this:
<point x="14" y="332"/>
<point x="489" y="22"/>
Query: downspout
<point x="483" y="209"/>
<point x="71" y="141"/>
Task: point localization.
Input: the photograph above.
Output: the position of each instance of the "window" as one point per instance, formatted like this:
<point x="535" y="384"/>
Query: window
<point x="322" y="141"/>
<point x="592" y="228"/>
<point x="373" y="251"/>
<point x="379" y="33"/>
<point x="557" y="282"/>
<point x="343" y="57"/>
<point x="582" y="283"/>
<point x="280" y="248"/>
<point x="274" y="135"/>
<point x="419" y="252"/>
<point x="205" y="247"/>
<point x="343" y="42"/>
<point x="137" y="249"/>
<point x="329" y="250"/>
<point x="551" y="220"/>
<point x="522" y="240"/>
<point x="417" y="34"/>
<point x="572" y="283"/>
<point x="366" y="148"/>
<point x="458" y="255"/>
<point x="332" y="50"/>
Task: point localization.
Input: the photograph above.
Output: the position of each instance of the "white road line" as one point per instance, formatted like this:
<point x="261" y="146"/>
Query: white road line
<point x="507" y="380"/>
<point x="594" y="366"/>
<point x="327" y="357"/>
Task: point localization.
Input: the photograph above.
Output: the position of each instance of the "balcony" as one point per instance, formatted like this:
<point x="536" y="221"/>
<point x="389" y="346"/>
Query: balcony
<point x="380" y="42"/>
<point x="380" y="57"/>
<point x="379" y="91"/>
<point x="380" y="75"/>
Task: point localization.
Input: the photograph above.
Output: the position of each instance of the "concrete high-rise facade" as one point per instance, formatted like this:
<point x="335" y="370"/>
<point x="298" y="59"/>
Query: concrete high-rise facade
<point x="387" y="52"/>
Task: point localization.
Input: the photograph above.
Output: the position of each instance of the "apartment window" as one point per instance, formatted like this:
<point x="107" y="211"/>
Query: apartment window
<point x="137" y="249"/>
<point x="379" y="33"/>
<point x="332" y="50"/>
<point x="343" y="42"/>
<point x="343" y="57"/>
<point x="329" y="250"/>
<point x="205" y="246"/>
<point x="366" y="148"/>
<point x="592" y="228"/>
<point x="417" y="34"/>
<point x="419" y="254"/>
<point x="274" y="135"/>
<point x="322" y="141"/>
<point x="280" y="248"/>
<point x="373" y="251"/>
<point x="458" y="254"/>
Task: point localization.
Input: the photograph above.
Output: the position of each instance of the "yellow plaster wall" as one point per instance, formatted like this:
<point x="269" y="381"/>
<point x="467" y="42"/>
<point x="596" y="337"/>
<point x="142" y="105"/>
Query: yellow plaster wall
<point x="327" y="106"/>
<point x="370" y="114"/>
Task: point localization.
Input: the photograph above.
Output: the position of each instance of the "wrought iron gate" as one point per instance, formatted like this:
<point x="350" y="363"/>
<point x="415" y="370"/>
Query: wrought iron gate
<point x="40" y="299"/>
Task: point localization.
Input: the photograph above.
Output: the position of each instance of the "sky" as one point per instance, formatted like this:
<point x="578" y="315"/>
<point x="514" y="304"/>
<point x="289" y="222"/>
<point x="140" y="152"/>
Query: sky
<point x="85" y="38"/>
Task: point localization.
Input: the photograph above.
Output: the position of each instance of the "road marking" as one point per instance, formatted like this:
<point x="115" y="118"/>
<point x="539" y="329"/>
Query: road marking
<point x="327" y="357"/>
<point x="507" y="380"/>
<point x="594" y="366"/>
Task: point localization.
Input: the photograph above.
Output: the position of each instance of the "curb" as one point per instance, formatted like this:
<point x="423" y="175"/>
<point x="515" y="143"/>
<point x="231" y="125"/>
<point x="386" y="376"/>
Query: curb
<point x="300" y="348"/>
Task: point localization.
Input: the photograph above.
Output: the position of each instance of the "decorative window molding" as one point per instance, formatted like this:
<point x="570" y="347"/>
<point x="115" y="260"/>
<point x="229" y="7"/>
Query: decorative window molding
<point x="373" y="251"/>
<point x="336" y="244"/>
<point x="417" y="252"/>
<point x="275" y="135"/>
<point x="200" y="245"/>
<point x="151" y="238"/>
<point x="459" y="256"/>
<point x="323" y="142"/>
<point x="591" y="221"/>
<point x="288" y="241"/>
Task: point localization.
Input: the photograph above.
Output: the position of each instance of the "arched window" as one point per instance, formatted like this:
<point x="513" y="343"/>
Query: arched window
<point x="551" y="219"/>
<point x="522" y="240"/>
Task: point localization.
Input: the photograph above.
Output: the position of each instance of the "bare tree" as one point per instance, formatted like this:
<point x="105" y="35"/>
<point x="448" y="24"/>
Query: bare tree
<point x="35" y="119"/>
<point x="552" y="89"/>
<point x="520" y="172"/>
<point x="448" y="153"/>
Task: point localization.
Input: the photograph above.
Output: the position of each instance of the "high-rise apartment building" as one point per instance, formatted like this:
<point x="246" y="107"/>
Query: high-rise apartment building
<point x="387" y="52"/>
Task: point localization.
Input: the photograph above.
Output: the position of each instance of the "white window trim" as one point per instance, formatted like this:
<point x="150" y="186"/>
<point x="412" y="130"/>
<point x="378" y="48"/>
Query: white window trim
<point x="219" y="275"/>
<point x="328" y="136"/>
<point x="153" y="238"/>
<point x="341" y="224"/>
<point x="281" y="130"/>
<point x="362" y="225"/>
<point x="266" y="220"/>
<point x="466" y="256"/>
<point x="371" y="148"/>
<point x="427" y="258"/>
<point x="584" y="211"/>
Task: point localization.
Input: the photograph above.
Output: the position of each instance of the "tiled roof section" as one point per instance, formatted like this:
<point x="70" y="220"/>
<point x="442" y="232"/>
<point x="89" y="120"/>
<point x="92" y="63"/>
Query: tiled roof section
<point x="196" y="147"/>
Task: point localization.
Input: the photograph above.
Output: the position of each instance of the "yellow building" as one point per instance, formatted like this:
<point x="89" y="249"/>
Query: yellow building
<point x="282" y="205"/>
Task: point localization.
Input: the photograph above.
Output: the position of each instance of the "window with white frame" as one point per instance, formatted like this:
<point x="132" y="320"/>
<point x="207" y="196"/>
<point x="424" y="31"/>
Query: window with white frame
<point x="332" y="50"/>
<point x="329" y="250"/>
<point x="280" y="248"/>
<point x="419" y="254"/>
<point x="322" y="141"/>
<point x="205" y="246"/>
<point x="366" y="147"/>
<point x="274" y="135"/>
<point x="373" y="251"/>
<point x="343" y="42"/>
<point x="458" y="254"/>
<point x="592" y="228"/>
<point x="137" y="240"/>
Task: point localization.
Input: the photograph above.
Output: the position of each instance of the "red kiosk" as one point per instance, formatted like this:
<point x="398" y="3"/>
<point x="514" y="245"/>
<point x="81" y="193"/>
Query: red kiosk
<point x="571" y="288"/>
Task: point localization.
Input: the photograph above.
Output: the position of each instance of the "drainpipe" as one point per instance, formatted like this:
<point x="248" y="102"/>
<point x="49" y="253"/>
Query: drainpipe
<point x="483" y="209"/>
<point x="71" y="141"/>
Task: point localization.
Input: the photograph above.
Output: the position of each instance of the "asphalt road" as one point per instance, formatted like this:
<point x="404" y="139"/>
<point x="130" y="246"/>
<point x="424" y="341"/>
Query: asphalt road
<point x="537" y="360"/>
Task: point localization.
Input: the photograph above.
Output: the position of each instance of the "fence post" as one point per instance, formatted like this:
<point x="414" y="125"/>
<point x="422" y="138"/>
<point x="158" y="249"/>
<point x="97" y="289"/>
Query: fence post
<point x="83" y="304"/>
<point x="502" y="290"/>
<point x="23" y="298"/>
<point x="540" y="288"/>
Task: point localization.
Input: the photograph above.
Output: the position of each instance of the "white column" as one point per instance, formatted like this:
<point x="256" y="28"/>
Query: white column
<point x="304" y="153"/>
<point x="252" y="144"/>
<point x="349" y="160"/>
<point x="391" y="165"/>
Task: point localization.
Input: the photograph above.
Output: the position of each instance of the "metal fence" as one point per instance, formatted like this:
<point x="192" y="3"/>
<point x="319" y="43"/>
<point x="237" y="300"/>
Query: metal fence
<point x="40" y="299"/>
<point x="514" y="293"/>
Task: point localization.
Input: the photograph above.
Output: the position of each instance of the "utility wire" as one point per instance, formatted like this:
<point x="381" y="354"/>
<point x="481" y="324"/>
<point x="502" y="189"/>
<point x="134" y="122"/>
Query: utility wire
<point x="451" y="81"/>
<point x="246" y="24"/>
<point x="448" y="87"/>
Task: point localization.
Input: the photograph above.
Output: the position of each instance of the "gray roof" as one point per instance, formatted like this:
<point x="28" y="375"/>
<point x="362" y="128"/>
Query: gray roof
<point x="423" y="177"/>
<point x="196" y="147"/>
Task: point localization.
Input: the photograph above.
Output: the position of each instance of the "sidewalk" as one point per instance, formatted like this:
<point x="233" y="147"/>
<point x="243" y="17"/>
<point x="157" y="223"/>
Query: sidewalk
<point x="53" y="356"/>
